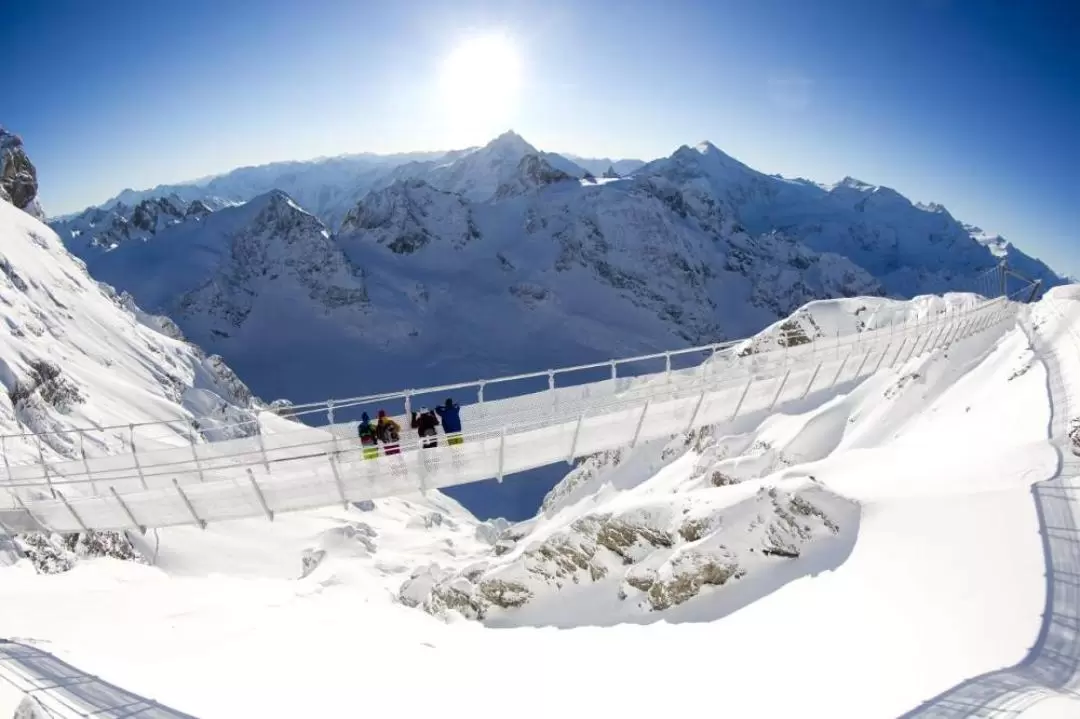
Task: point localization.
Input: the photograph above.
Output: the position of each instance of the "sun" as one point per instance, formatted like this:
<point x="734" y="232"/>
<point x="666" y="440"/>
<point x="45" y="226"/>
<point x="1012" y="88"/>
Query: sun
<point x="479" y="83"/>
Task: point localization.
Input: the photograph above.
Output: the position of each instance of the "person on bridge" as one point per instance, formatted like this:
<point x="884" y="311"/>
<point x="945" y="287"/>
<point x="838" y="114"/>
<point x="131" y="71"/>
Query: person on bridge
<point x="451" y="421"/>
<point x="426" y="425"/>
<point x="389" y="433"/>
<point x="368" y="441"/>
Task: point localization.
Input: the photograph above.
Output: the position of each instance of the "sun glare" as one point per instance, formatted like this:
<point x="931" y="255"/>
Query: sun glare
<point x="479" y="83"/>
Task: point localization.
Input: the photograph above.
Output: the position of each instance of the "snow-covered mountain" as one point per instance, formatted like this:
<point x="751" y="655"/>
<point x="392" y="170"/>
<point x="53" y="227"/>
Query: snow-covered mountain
<point x="910" y="248"/>
<point x="77" y="354"/>
<point x="605" y="166"/>
<point x="504" y="260"/>
<point x="423" y="285"/>
<point x="328" y="187"/>
<point x="100" y="229"/>
<point x="478" y="174"/>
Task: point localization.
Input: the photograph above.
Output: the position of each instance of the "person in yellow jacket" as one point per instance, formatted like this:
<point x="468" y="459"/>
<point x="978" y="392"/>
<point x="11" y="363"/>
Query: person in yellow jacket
<point x="389" y="433"/>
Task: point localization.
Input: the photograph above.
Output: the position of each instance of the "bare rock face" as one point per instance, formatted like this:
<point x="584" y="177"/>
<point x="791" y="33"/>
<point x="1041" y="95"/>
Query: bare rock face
<point x="18" y="177"/>
<point x="55" y="554"/>
<point x="652" y="557"/>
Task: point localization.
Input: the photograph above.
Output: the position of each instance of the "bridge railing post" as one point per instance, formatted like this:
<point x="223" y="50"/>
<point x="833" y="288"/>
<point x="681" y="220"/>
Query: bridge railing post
<point x="7" y="464"/>
<point x="421" y="465"/>
<point x="502" y="455"/>
<point x="640" y="424"/>
<point x="783" y="383"/>
<point x="697" y="410"/>
<point x="898" y="351"/>
<point x="72" y="512"/>
<point x="480" y="394"/>
<point x="194" y="451"/>
<point x="862" y="365"/>
<point x="574" y="441"/>
<point x="85" y="461"/>
<point x="813" y="378"/>
<point x="135" y="456"/>
<point x="331" y="457"/>
<point x="262" y="441"/>
<point x="742" y="398"/>
<point x="200" y="523"/>
<point x="33" y="517"/>
<point x="127" y="511"/>
<point x="259" y="495"/>
<point x="44" y="465"/>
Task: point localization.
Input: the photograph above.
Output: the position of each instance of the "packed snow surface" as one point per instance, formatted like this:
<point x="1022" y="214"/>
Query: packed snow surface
<point x="934" y="575"/>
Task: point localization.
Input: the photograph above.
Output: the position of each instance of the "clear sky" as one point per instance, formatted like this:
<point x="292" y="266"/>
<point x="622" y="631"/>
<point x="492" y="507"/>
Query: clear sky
<point x="971" y="103"/>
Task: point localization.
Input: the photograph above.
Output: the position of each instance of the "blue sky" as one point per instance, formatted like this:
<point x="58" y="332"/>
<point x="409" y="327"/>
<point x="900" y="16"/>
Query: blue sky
<point x="974" y="104"/>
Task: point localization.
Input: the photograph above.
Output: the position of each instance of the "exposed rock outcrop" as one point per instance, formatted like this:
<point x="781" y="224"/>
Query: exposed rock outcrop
<point x="18" y="176"/>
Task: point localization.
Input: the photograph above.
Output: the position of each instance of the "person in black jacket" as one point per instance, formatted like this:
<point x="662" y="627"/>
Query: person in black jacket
<point x="425" y="423"/>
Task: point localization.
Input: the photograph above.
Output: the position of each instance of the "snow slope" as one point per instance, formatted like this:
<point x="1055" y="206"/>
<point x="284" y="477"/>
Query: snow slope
<point x="925" y="470"/>
<point x="76" y="354"/>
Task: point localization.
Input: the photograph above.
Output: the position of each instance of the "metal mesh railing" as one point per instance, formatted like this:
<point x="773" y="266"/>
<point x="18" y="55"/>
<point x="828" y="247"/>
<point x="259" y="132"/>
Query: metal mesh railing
<point x="307" y="467"/>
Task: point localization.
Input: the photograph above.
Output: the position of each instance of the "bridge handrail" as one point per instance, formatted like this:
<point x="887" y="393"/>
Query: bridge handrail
<point x="299" y="410"/>
<point x="219" y="458"/>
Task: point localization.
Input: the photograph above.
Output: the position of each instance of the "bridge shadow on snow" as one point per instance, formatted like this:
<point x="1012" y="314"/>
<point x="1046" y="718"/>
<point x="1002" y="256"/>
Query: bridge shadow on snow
<point x="1052" y="665"/>
<point x="61" y="687"/>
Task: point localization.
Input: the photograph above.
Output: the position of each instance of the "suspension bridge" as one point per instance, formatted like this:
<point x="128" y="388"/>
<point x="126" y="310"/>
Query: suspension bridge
<point x="303" y="467"/>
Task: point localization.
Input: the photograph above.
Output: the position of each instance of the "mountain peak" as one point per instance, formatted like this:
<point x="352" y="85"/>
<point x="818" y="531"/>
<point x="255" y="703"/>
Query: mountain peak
<point x="533" y="172"/>
<point x="855" y="184"/>
<point x="18" y="176"/>
<point x="509" y="144"/>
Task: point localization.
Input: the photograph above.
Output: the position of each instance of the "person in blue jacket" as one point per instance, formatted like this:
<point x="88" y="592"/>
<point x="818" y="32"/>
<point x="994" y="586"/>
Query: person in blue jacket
<point x="450" y="414"/>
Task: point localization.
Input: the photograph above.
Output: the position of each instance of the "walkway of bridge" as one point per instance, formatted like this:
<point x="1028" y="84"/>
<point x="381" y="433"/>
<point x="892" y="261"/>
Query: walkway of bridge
<point x="305" y="467"/>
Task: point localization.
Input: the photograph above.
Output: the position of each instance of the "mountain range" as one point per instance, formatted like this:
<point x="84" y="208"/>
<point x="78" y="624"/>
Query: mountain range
<point x="409" y="271"/>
